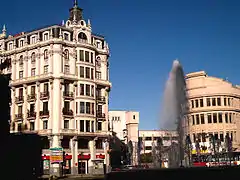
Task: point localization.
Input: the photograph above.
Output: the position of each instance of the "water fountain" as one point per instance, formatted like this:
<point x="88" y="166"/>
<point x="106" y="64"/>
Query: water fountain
<point x="173" y="111"/>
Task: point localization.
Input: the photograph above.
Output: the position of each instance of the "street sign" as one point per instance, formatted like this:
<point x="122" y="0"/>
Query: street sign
<point x="56" y="155"/>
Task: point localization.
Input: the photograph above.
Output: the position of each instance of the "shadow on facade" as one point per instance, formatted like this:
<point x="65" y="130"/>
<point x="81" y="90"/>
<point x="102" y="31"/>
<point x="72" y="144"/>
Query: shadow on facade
<point x="21" y="153"/>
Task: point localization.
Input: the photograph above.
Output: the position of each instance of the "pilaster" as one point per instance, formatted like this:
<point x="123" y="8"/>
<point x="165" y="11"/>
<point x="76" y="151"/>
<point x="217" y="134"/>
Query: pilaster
<point x="37" y="123"/>
<point x="25" y="104"/>
<point x="74" y="151"/>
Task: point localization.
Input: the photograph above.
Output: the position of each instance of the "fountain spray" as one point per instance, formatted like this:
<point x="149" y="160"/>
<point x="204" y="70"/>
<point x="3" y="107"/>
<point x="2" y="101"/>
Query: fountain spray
<point x="174" y="109"/>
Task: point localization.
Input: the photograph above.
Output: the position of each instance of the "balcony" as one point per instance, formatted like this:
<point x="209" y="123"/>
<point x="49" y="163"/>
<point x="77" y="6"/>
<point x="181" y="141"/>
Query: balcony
<point x="19" y="116"/>
<point x="31" y="115"/>
<point x="31" y="97"/>
<point x="67" y="112"/>
<point x="101" y="116"/>
<point x="44" y="114"/>
<point x="68" y="131"/>
<point x="19" y="99"/>
<point x="101" y="99"/>
<point x="68" y="95"/>
<point x="44" y="95"/>
<point x="45" y="132"/>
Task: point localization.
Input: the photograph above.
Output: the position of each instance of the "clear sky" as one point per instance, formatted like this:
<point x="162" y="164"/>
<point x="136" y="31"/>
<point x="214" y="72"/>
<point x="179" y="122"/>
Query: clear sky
<point x="145" y="36"/>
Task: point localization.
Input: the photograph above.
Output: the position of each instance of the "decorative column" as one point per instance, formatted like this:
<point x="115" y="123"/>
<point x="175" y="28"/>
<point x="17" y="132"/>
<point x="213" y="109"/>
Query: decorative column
<point x="37" y="108"/>
<point x="74" y="125"/>
<point x="25" y="104"/>
<point x="51" y="104"/>
<point x="106" y="160"/>
<point x="74" y="151"/>
<point x="13" y="107"/>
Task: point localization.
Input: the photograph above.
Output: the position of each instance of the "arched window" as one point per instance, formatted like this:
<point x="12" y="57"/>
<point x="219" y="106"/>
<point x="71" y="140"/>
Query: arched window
<point x="45" y="54"/>
<point x="82" y="37"/>
<point x="21" y="60"/>
<point x="33" y="57"/>
<point x="66" y="54"/>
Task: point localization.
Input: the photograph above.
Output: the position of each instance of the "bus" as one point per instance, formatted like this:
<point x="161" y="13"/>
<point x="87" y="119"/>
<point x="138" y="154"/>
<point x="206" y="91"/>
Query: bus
<point x="219" y="159"/>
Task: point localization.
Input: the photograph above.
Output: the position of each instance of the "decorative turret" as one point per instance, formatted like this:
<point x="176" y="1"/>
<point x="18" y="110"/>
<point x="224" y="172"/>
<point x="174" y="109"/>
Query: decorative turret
<point x="4" y="29"/>
<point x="75" y="13"/>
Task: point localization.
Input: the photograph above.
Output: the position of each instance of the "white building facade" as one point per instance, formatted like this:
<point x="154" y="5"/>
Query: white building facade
<point x="148" y="137"/>
<point x="60" y="88"/>
<point x="125" y="125"/>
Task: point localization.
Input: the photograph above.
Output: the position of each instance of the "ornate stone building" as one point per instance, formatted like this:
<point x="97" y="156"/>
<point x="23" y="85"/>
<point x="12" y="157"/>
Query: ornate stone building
<point x="60" y="87"/>
<point x="214" y="109"/>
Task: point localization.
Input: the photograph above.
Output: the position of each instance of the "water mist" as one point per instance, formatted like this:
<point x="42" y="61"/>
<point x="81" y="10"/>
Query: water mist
<point x="174" y="108"/>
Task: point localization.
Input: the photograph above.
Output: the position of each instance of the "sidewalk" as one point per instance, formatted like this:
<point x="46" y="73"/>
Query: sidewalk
<point x="72" y="177"/>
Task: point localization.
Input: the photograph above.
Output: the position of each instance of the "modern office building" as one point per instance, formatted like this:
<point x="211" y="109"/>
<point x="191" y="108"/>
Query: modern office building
<point x="148" y="137"/>
<point x="214" y="105"/>
<point x="60" y="88"/>
<point x="124" y="124"/>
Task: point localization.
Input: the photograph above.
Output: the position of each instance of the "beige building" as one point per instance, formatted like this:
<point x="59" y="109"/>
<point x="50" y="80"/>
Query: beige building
<point x="60" y="88"/>
<point x="214" y="109"/>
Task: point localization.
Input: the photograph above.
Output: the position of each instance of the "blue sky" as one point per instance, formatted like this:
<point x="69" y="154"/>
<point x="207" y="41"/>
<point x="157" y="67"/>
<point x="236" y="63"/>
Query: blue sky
<point x="145" y="36"/>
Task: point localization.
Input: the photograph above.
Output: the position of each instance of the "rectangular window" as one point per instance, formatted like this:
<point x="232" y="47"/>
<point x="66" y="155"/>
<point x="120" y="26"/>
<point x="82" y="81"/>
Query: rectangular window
<point x="66" y="69"/>
<point x="87" y="56"/>
<point x="192" y="103"/>
<point x="66" y="124"/>
<point x="45" y="124"/>
<point x="87" y="107"/>
<point x="82" y="126"/>
<point x="193" y="119"/>
<point x="81" y="53"/>
<point x="92" y="90"/>
<point x="33" y="89"/>
<point x="197" y="119"/>
<point x="88" y="93"/>
<point x="208" y="102"/>
<point x="201" y="102"/>
<point x="209" y="118"/>
<point x="225" y="101"/>
<point x="82" y="107"/>
<point x="98" y="75"/>
<point x="33" y="71"/>
<point x="226" y="117"/>
<point x="230" y="117"/>
<point x="81" y="71"/>
<point x="213" y="101"/>
<point x="92" y="126"/>
<point x="76" y="108"/>
<point x="92" y="108"/>
<point x="202" y="119"/>
<point x="45" y="87"/>
<point x="99" y="126"/>
<point x="20" y="74"/>
<point x="87" y="126"/>
<point x="45" y="106"/>
<point x="214" y="117"/>
<point x="92" y="60"/>
<point x="32" y="126"/>
<point x="219" y="101"/>
<point x="82" y="90"/>
<point x="45" y="69"/>
<point x="20" y="109"/>
<point x="220" y="117"/>
<point x="88" y="72"/>
<point x="92" y="73"/>
<point x="196" y="102"/>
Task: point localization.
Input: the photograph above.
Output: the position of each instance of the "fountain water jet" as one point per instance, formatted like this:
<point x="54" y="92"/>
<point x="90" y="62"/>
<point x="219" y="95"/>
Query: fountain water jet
<point x="174" y="109"/>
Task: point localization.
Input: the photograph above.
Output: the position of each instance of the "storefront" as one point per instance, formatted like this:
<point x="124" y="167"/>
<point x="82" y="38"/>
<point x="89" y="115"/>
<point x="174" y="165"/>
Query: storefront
<point x="83" y="163"/>
<point x="46" y="164"/>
